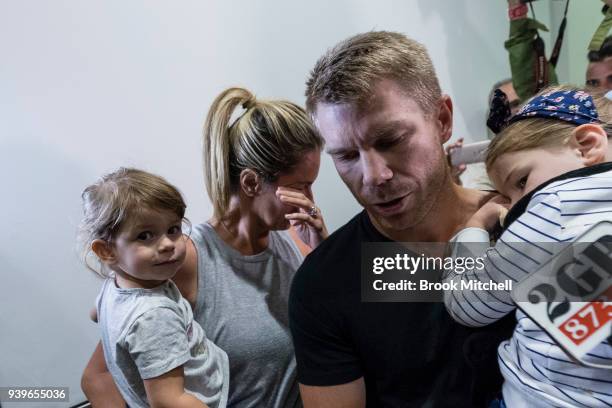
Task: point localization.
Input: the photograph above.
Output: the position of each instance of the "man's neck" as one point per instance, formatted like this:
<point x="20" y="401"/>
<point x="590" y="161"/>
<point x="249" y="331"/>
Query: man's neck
<point x="448" y="215"/>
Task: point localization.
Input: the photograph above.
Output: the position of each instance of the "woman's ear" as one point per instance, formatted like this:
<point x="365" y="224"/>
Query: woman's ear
<point x="250" y="182"/>
<point x="592" y="142"/>
<point x="104" y="251"/>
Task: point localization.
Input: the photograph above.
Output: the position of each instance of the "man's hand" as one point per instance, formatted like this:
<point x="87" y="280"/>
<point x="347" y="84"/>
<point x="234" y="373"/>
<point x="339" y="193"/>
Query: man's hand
<point x="487" y="216"/>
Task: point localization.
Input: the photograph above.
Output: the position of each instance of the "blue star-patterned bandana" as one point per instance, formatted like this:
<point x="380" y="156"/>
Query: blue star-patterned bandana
<point x="573" y="106"/>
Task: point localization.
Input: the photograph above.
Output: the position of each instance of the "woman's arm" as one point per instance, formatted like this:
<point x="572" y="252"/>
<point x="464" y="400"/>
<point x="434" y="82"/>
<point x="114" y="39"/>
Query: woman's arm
<point x="304" y="249"/>
<point x="186" y="279"/>
<point x="97" y="383"/>
<point x="308" y="223"/>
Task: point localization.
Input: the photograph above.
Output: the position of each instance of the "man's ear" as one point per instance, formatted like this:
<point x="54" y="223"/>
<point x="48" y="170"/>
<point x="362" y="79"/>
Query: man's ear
<point x="250" y="182"/>
<point x="104" y="251"/>
<point x="445" y="118"/>
<point x="592" y="142"/>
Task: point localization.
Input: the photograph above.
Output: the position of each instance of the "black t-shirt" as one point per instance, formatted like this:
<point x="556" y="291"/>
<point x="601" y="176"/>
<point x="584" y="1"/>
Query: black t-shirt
<point x="410" y="354"/>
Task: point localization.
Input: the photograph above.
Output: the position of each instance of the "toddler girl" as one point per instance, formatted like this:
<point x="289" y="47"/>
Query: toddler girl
<point x="156" y="352"/>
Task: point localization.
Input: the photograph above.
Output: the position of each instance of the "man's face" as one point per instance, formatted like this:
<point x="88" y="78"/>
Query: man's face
<point x="599" y="74"/>
<point x="388" y="153"/>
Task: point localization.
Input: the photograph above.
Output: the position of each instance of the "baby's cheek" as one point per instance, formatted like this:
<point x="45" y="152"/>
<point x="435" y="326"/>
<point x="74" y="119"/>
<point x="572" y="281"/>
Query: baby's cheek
<point x="144" y="254"/>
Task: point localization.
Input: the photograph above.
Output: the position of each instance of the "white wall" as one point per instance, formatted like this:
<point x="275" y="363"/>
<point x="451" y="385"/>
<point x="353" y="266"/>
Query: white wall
<point x="87" y="86"/>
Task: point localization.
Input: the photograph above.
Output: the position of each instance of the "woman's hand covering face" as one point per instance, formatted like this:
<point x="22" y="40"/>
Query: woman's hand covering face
<point x="308" y="222"/>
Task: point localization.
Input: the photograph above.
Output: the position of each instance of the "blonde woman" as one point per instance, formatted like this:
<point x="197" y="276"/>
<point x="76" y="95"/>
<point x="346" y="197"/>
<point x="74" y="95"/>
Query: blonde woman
<point x="260" y="161"/>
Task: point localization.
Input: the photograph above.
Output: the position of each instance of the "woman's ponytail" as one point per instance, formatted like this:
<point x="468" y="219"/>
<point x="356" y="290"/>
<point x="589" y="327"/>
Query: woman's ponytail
<point x="217" y="145"/>
<point x="268" y="137"/>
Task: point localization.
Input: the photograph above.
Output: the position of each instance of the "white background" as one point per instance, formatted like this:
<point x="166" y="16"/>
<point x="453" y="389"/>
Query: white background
<point x="88" y="86"/>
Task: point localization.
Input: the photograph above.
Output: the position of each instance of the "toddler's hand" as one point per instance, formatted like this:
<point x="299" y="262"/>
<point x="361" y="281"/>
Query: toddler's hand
<point x="456" y="171"/>
<point x="488" y="215"/>
<point x="93" y="315"/>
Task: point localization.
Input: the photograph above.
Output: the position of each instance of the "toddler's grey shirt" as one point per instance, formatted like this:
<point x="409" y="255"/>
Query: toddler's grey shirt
<point x="148" y="332"/>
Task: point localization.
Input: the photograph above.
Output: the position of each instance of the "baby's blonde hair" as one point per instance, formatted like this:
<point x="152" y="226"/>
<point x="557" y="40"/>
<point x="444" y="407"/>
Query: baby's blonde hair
<point x="269" y="137"/>
<point x="118" y="196"/>
<point x="602" y="104"/>
<point x="538" y="132"/>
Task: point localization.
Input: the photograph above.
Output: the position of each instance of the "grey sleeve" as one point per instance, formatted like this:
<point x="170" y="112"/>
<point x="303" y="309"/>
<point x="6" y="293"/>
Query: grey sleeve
<point x="157" y="342"/>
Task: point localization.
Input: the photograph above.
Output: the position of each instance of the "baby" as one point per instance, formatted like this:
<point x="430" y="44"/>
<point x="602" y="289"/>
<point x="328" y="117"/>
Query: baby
<point x="156" y="352"/>
<point x="550" y="166"/>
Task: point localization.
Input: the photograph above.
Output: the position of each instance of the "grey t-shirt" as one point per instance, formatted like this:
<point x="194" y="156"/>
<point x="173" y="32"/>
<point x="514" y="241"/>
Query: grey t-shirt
<point x="148" y="332"/>
<point x="242" y="304"/>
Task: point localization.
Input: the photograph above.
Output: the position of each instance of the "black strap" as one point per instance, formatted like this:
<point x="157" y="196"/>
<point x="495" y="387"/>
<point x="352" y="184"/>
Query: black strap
<point x="554" y="57"/>
<point x="541" y="64"/>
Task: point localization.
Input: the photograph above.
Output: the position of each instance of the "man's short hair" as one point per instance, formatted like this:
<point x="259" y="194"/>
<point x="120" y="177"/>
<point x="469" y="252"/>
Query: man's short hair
<point x="604" y="51"/>
<point x="348" y="71"/>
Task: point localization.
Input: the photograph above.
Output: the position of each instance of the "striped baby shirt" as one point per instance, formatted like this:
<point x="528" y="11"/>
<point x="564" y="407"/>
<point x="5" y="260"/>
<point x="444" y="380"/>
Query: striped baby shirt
<point x="537" y="372"/>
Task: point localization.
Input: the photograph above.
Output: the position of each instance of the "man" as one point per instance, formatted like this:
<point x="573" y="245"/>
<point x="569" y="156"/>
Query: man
<point x="599" y="70"/>
<point x="376" y="100"/>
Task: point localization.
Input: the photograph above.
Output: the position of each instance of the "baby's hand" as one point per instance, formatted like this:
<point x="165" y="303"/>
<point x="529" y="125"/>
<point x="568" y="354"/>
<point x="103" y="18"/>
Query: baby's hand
<point x="487" y="216"/>
<point x="93" y="315"/>
<point x="456" y="171"/>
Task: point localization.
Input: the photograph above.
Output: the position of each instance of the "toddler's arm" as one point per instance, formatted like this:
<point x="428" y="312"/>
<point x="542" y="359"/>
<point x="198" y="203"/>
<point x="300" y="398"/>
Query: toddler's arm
<point x="469" y="304"/>
<point x="159" y="346"/>
<point x="168" y="390"/>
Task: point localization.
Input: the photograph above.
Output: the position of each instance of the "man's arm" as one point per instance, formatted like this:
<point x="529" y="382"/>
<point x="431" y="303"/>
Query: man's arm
<point x="350" y="395"/>
<point x="329" y="369"/>
<point x="98" y="384"/>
